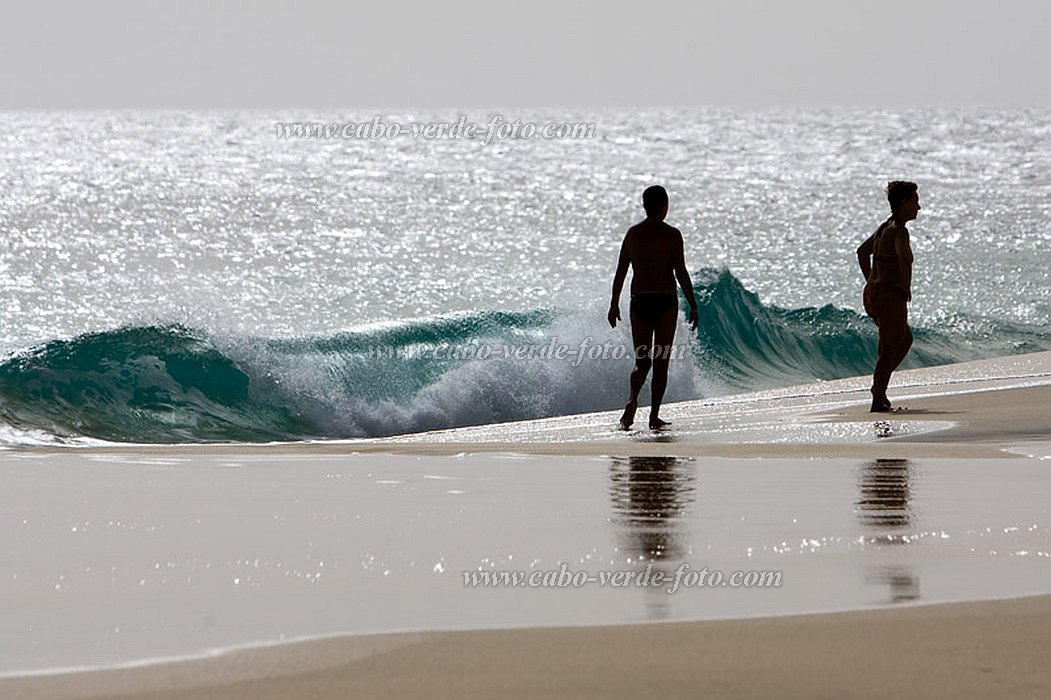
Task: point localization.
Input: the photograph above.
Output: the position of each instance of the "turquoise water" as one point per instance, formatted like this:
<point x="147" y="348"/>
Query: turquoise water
<point x="182" y="277"/>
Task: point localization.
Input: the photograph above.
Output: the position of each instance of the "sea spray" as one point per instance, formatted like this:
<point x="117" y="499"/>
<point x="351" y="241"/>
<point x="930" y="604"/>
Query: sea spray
<point x="173" y="384"/>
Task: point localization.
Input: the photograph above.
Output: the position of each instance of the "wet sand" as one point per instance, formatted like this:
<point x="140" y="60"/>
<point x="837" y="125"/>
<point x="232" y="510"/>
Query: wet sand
<point x="951" y="506"/>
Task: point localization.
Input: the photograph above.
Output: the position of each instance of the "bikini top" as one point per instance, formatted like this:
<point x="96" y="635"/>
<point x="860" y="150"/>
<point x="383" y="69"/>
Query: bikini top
<point x="883" y="258"/>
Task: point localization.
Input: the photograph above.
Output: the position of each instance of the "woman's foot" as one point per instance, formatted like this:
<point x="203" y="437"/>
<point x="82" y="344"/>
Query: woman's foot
<point x="880" y="402"/>
<point x="629" y="416"/>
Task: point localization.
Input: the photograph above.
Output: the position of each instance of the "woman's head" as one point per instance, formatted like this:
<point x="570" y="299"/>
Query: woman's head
<point x="904" y="198"/>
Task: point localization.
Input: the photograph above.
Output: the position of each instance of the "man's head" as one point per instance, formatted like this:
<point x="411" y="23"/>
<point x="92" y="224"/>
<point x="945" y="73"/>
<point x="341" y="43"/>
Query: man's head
<point x="655" y="201"/>
<point x="904" y="199"/>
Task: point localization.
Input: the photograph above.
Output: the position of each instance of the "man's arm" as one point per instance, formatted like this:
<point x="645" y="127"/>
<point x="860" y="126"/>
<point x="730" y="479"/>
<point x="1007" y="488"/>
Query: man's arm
<point x="618" y="283"/>
<point x="683" y="276"/>
<point x="904" y="252"/>
<point x="865" y="256"/>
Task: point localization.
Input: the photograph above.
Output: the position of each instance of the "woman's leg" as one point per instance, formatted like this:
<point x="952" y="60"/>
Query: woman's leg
<point x="894" y="342"/>
<point x="906" y="344"/>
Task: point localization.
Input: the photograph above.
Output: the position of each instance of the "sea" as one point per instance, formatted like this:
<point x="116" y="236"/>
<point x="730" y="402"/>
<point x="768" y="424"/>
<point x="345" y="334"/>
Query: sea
<point x="195" y="276"/>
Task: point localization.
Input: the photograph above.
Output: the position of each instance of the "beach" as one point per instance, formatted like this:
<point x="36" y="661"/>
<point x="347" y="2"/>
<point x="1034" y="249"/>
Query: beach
<point x="318" y="327"/>
<point x="914" y="548"/>
<point x="968" y="650"/>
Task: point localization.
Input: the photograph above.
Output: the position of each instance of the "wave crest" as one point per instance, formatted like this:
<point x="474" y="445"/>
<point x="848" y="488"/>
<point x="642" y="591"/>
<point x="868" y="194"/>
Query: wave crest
<point x="170" y="384"/>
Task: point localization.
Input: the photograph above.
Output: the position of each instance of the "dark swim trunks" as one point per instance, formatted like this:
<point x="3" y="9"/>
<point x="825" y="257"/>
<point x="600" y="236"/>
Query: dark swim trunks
<point x="651" y="306"/>
<point x="873" y="290"/>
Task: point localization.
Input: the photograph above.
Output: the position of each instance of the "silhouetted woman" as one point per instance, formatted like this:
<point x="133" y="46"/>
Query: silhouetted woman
<point x="886" y="261"/>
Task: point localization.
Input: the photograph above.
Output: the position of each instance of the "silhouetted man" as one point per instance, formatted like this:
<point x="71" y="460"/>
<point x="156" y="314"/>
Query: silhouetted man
<point x="654" y="251"/>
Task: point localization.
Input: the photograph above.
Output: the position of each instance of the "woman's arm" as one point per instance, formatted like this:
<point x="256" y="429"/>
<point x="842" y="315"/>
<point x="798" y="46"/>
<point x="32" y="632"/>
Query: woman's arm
<point x="865" y="251"/>
<point x="904" y="252"/>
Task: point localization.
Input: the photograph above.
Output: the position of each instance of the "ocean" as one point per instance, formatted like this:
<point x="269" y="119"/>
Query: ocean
<point x="172" y="277"/>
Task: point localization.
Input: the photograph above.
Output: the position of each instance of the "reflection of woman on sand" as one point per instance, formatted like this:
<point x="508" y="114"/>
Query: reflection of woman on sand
<point x="886" y="262"/>
<point x="884" y="509"/>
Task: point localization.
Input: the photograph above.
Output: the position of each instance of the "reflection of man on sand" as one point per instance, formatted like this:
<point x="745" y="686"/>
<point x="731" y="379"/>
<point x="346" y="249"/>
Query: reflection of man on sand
<point x="650" y="498"/>
<point x="654" y="251"/>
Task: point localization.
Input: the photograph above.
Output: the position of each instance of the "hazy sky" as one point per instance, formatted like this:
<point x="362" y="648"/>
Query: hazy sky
<point x="391" y="53"/>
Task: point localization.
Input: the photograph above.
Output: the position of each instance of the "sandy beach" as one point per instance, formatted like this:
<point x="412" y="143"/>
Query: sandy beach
<point x="970" y="650"/>
<point x="353" y="551"/>
<point x="320" y="373"/>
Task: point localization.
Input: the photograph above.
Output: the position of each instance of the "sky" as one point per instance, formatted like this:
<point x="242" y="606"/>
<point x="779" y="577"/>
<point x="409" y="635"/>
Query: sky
<point x="383" y="53"/>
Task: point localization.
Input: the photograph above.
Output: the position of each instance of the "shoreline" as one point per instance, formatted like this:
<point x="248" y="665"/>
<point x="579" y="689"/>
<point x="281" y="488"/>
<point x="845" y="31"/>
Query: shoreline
<point x="967" y="410"/>
<point x="979" y="648"/>
<point x="961" y="650"/>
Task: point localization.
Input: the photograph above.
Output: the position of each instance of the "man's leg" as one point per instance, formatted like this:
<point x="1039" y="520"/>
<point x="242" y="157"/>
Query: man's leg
<point x="663" y="337"/>
<point x="641" y="338"/>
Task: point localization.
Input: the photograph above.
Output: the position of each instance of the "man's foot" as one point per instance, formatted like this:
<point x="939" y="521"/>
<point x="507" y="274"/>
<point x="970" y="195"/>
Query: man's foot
<point x="658" y="424"/>
<point x="629" y="416"/>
